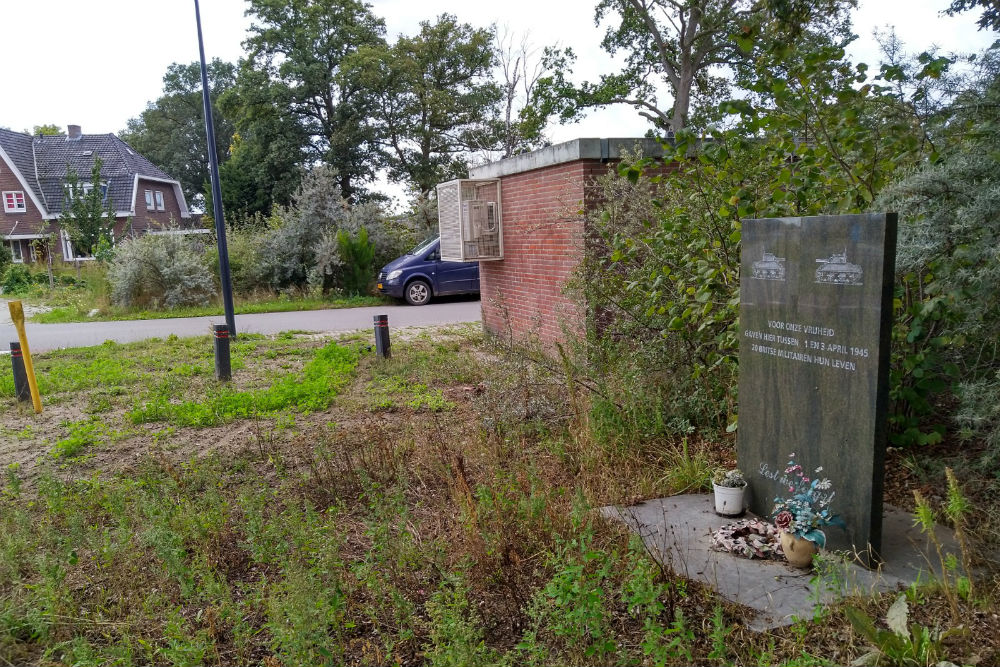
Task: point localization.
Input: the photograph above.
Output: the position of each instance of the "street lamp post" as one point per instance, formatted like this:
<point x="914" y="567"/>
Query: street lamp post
<point x="225" y="277"/>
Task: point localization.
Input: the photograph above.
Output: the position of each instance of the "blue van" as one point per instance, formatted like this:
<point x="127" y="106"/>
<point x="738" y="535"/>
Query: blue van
<point x="420" y="275"/>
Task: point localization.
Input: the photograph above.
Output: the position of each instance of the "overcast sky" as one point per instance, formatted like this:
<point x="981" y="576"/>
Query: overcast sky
<point x="98" y="63"/>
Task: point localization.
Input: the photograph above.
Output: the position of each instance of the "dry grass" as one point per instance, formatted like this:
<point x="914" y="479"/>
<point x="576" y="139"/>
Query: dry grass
<point x="439" y="510"/>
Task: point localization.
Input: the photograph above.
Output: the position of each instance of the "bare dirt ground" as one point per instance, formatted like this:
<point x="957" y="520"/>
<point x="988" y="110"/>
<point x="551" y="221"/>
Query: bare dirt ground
<point x="27" y="440"/>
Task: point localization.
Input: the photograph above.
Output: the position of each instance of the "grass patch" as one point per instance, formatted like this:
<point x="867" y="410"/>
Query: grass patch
<point x="80" y="313"/>
<point x="81" y="434"/>
<point x="321" y="380"/>
<point x="389" y="393"/>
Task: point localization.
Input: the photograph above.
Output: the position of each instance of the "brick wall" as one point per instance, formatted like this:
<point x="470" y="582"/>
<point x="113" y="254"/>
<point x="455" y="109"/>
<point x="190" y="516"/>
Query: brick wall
<point x="525" y="294"/>
<point x="145" y="219"/>
<point x="29" y="222"/>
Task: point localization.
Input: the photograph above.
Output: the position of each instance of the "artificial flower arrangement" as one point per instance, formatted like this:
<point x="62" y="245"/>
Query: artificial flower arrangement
<point x="807" y="508"/>
<point x="732" y="479"/>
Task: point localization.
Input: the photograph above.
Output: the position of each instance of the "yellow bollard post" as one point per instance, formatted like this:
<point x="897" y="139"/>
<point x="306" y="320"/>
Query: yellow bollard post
<point x="17" y="317"/>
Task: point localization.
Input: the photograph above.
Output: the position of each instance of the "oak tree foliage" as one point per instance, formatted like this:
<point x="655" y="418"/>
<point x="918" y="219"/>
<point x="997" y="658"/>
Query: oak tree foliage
<point x="170" y="132"/>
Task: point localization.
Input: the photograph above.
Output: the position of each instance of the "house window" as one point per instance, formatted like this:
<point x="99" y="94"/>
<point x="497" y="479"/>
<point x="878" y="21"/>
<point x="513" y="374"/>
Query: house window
<point x="87" y="188"/>
<point x="149" y="201"/>
<point x="15" y="251"/>
<point x="70" y="252"/>
<point x="13" y="202"/>
<point x="159" y="201"/>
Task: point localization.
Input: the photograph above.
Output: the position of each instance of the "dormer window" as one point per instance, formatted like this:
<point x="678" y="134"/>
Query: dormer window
<point x="87" y="188"/>
<point x="150" y="206"/>
<point x="13" y="202"/>
<point x="159" y="201"/>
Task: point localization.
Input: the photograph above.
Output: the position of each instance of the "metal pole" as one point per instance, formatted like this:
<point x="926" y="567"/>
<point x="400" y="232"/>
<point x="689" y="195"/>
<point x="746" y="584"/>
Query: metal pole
<point x="382" y="350"/>
<point x="223" y="364"/>
<point x="21" y="388"/>
<point x="225" y="276"/>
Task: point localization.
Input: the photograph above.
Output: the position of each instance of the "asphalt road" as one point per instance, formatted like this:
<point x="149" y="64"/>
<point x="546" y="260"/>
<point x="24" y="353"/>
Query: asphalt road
<point x="82" y="334"/>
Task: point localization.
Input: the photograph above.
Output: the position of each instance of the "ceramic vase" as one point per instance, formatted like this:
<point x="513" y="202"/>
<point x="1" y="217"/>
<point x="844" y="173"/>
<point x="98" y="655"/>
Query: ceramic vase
<point x="798" y="550"/>
<point x="729" y="499"/>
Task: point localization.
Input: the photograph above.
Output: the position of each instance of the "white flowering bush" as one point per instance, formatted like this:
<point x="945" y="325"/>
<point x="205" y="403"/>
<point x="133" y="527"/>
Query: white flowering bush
<point x="302" y="245"/>
<point x="946" y="365"/>
<point x="160" y="270"/>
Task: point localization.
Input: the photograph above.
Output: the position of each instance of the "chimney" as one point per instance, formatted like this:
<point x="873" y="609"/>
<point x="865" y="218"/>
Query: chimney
<point x="73" y="132"/>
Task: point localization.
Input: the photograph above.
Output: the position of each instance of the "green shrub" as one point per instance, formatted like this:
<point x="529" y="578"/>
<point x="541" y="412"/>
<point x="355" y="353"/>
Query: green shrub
<point x="17" y="279"/>
<point x="6" y="257"/>
<point x="160" y="270"/>
<point x="948" y="277"/>
<point x="358" y="255"/>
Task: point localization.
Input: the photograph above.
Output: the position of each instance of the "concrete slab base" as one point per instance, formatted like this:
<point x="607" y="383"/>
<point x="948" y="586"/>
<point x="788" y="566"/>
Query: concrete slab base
<point x="677" y="532"/>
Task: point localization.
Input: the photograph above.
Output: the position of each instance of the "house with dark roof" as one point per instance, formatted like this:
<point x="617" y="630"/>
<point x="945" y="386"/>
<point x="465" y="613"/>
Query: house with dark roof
<point x="33" y="171"/>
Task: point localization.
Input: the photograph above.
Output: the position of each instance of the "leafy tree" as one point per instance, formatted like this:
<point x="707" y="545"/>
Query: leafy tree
<point x="988" y="20"/>
<point x="258" y="175"/>
<point x="300" y="46"/>
<point x="45" y="130"/>
<point x="267" y="152"/>
<point x="171" y="131"/>
<point x="88" y="214"/>
<point x="682" y="46"/>
<point x="434" y="96"/>
<point x="817" y="135"/>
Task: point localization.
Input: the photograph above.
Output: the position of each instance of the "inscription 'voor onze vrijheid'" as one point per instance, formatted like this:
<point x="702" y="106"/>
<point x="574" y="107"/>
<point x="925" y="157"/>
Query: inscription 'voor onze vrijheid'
<point x="806" y="346"/>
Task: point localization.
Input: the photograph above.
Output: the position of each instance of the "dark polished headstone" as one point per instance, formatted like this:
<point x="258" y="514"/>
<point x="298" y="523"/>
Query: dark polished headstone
<point x="815" y="326"/>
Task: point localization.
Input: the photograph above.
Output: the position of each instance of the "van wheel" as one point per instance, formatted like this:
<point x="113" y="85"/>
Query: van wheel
<point x="418" y="293"/>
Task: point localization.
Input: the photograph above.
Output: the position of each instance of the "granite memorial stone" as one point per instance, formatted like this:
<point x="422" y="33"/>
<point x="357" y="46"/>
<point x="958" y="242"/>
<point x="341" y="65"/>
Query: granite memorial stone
<point x="815" y="326"/>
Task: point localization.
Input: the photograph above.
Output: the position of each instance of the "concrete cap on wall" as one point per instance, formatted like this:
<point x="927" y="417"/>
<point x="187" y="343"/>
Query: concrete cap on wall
<point x="568" y="151"/>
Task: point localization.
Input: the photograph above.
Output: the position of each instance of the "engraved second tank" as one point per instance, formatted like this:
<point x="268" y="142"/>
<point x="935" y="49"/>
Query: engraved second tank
<point x="838" y="271"/>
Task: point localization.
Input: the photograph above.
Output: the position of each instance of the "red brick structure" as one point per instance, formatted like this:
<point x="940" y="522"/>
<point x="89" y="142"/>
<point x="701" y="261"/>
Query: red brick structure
<point x="33" y="172"/>
<point x="545" y="196"/>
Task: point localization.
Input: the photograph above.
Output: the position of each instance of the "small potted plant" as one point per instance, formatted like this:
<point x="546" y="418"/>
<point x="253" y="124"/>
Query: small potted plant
<point x="803" y="514"/>
<point x="730" y="488"/>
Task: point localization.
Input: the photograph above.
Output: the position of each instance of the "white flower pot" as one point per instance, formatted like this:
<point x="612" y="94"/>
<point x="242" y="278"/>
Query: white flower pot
<point x="729" y="499"/>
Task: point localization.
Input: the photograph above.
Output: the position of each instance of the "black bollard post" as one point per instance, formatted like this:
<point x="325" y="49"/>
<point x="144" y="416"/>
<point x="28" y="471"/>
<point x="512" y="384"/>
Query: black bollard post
<point x="382" y="337"/>
<point x="223" y="367"/>
<point x="21" y="388"/>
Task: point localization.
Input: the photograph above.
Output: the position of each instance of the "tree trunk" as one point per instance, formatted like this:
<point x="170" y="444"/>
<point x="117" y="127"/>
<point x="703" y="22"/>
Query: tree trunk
<point x="682" y="101"/>
<point x="48" y="265"/>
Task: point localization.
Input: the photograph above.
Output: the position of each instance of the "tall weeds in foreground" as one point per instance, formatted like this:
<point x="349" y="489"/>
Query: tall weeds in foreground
<point x="955" y="584"/>
<point x="369" y="532"/>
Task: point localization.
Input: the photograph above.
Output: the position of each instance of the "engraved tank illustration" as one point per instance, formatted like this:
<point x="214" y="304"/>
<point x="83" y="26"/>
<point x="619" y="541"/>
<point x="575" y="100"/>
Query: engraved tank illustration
<point x="838" y="271"/>
<point x="769" y="267"/>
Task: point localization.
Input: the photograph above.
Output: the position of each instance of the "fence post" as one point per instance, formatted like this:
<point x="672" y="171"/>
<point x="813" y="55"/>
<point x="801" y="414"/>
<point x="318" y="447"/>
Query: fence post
<point x="223" y="365"/>
<point x="382" y="337"/>
<point x="21" y="388"/>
